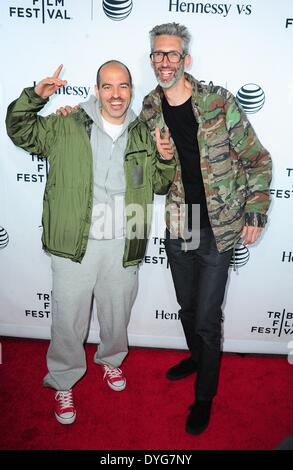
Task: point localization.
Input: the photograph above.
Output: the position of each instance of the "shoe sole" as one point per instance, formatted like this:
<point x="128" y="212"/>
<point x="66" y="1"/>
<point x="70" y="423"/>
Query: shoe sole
<point x="117" y="389"/>
<point x="196" y="432"/>
<point x="65" y="420"/>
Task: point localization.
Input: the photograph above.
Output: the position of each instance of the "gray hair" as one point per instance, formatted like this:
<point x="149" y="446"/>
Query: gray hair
<point x="113" y="61"/>
<point x="171" y="29"/>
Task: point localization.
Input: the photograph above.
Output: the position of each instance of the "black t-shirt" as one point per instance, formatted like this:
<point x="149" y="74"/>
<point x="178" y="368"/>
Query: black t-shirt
<point x="183" y="129"/>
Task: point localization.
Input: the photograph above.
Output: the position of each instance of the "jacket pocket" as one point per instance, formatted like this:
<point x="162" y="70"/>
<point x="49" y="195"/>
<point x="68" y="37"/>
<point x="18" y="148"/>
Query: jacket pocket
<point x="136" y="169"/>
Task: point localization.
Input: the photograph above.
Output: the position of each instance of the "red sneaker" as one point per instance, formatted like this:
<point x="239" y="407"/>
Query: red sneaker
<point x="114" y="378"/>
<point x="65" y="411"/>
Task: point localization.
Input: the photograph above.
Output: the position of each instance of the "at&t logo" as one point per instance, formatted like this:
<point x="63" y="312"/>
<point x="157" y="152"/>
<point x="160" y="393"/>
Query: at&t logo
<point x="117" y="10"/>
<point x="251" y="97"/>
<point x="240" y="256"/>
<point x="4" y="238"/>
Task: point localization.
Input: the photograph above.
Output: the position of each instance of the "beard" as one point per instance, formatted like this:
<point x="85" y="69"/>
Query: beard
<point x="177" y="75"/>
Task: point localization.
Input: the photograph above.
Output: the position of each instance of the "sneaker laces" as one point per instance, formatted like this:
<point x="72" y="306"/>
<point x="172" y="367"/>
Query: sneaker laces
<point x="65" y="399"/>
<point x="112" y="373"/>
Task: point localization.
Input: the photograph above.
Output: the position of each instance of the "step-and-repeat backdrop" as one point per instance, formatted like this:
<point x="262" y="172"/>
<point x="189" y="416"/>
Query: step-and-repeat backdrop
<point x="245" y="46"/>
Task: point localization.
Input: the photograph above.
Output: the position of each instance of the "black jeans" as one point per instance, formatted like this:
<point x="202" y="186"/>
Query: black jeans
<point x="200" y="277"/>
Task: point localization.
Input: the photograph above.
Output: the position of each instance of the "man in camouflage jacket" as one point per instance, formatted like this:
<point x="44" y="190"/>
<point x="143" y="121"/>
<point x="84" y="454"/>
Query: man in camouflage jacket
<point x="234" y="170"/>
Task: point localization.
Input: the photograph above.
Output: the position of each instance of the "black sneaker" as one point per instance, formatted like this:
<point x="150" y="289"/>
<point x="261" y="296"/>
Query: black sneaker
<point x="199" y="417"/>
<point x="183" y="369"/>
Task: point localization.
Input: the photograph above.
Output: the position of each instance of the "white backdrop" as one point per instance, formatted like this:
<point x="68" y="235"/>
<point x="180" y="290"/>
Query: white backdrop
<point x="235" y="44"/>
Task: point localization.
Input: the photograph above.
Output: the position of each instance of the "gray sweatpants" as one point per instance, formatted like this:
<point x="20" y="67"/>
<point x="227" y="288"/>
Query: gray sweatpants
<point x="100" y="274"/>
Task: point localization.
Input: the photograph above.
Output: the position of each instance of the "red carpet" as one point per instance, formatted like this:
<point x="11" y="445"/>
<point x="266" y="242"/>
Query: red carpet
<point x="253" y="408"/>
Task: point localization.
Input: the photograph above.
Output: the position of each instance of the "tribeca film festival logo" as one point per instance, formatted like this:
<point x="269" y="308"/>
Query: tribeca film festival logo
<point x="4" y="238"/>
<point x="281" y="324"/>
<point x="284" y="193"/>
<point x="251" y="97"/>
<point x="43" y="10"/>
<point x="117" y="10"/>
<point x="160" y="257"/>
<point x="39" y="175"/>
<point x="43" y="311"/>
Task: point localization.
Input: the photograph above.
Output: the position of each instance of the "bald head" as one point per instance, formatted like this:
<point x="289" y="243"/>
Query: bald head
<point x="116" y="65"/>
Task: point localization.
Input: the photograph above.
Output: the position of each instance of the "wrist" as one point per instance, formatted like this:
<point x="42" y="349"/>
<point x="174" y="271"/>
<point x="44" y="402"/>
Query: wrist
<point x="37" y="92"/>
<point x="37" y="96"/>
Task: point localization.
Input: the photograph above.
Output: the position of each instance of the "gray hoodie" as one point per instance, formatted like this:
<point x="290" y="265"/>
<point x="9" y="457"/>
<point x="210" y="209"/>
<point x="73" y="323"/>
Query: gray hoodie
<point x="109" y="181"/>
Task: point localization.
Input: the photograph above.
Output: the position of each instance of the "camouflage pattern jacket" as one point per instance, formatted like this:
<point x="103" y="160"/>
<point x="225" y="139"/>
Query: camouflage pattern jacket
<point x="236" y="168"/>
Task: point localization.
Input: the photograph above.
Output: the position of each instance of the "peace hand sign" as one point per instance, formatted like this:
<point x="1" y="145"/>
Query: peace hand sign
<point x="164" y="146"/>
<point x="49" y="85"/>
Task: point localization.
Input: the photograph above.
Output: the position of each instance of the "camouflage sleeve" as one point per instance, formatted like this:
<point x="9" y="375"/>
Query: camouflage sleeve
<point x="255" y="160"/>
<point x="146" y="112"/>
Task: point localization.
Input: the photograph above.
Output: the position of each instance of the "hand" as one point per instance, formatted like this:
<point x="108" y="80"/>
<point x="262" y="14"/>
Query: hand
<point x="49" y="85"/>
<point x="66" y="110"/>
<point x="250" y="234"/>
<point x="164" y="146"/>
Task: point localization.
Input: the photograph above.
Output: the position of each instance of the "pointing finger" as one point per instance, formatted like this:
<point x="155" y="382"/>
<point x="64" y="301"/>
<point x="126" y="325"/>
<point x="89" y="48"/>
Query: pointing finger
<point x="158" y="134"/>
<point x="57" y="71"/>
<point x="167" y="134"/>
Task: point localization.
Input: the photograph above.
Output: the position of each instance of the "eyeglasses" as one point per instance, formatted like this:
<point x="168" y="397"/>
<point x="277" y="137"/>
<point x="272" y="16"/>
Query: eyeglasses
<point x="173" y="56"/>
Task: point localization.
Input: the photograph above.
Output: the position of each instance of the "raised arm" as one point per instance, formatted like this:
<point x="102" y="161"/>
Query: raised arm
<point x="26" y="129"/>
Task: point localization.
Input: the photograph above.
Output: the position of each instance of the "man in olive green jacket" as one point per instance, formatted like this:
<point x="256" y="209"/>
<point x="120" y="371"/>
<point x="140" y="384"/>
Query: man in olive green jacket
<point x="221" y="167"/>
<point x="98" y="156"/>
